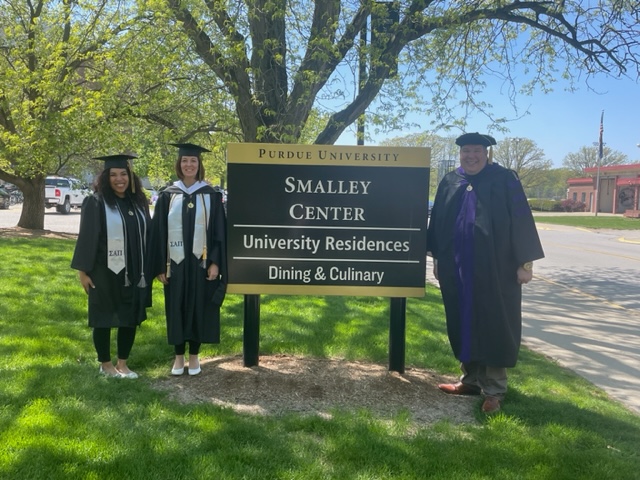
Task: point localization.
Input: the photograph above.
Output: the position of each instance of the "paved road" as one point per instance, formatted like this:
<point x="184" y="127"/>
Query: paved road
<point x="582" y="309"/>
<point x="54" y="221"/>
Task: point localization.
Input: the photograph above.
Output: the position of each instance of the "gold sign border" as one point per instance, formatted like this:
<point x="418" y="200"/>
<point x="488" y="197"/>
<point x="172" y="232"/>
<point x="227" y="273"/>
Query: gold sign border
<point x="337" y="290"/>
<point x="338" y="155"/>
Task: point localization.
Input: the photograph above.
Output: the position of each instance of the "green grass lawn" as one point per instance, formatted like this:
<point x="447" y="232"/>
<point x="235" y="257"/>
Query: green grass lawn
<point x="60" y="420"/>
<point x="606" y="222"/>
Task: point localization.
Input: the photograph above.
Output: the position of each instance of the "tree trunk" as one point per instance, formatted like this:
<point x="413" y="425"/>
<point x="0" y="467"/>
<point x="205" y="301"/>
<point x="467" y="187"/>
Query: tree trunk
<point x="32" y="216"/>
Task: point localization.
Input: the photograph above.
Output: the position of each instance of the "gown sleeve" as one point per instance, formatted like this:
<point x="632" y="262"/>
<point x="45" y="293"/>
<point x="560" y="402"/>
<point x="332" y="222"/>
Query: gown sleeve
<point x="524" y="234"/>
<point x="218" y="254"/>
<point x="158" y="237"/>
<point x="85" y="253"/>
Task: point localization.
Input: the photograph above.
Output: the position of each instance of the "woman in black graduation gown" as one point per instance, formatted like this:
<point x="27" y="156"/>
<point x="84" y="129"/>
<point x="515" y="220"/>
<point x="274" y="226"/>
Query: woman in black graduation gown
<point x="110" y="259"/>
<point x="189" y="258"/>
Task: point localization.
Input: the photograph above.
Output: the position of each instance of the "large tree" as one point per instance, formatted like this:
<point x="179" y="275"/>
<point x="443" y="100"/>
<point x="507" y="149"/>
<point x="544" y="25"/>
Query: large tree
<point x="554" y="185"/>
<point x="55" y="77"/>
<point x="279" y="58"/>
<point x="79" y="79"/>
<point x="524" y="157"/>
<point x="444" y="153"/>
<point x="588" y="157"/>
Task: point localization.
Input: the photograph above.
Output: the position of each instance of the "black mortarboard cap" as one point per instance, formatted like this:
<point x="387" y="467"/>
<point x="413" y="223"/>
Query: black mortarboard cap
<point x="120" y="160"/>
<point x="189" y="149"/>
<point x="475" y="139"/>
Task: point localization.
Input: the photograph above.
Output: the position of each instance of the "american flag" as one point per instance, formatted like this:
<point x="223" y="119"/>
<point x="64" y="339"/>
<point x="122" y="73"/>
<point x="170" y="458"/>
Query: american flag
<point x="600" y="144"/>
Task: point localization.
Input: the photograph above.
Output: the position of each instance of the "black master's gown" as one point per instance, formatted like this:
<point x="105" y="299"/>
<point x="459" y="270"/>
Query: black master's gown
<point x="111" y="303"/>
<point x="481" y="230"/>
<point x="192" y="303"/>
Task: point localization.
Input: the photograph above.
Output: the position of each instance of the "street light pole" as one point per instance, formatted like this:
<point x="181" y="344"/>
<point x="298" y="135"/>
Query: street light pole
<point x="600" y="153"/>
<point x="598" y="186"/>
<point x="598" y="163"/>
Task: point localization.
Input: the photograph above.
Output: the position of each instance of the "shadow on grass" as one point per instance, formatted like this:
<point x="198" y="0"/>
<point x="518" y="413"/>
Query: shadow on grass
<point x="354" y="328"/>
<point x="72" y="420"/>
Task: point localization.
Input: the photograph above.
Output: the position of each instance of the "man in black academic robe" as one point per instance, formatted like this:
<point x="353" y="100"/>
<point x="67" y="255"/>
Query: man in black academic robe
<point x="483" y="240"/>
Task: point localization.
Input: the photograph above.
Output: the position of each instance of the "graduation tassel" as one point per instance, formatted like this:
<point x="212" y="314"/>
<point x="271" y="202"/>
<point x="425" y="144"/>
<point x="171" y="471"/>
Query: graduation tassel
<point x="201" y="201"/>
<point x="168" y="274"/>
<point x="132" y="181"/>
<point x="143" y="282"/>
<point x="127" y="283"/>
<point x="203" y="264"/>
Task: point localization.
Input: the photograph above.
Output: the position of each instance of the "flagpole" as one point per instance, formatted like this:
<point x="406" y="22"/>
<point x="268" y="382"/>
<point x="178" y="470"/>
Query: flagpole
<point x="600" y="150"/>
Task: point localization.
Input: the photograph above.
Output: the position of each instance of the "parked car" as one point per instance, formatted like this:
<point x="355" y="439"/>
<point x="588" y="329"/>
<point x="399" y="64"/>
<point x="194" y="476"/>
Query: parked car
<point x="5" y="199"/>
<point x="64" y="193"/>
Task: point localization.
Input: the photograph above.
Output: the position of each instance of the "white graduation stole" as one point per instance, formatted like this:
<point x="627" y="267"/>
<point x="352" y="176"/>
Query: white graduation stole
<point x="174" y="227"/>
<point x="116" y="260"/>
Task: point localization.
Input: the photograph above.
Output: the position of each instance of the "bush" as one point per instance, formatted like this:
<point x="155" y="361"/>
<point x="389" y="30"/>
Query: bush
<point x="544" y="205"/>
<point x="570" y="205"/>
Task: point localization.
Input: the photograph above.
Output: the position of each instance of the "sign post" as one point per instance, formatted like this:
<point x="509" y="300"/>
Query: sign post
<point x="327" y="220"/>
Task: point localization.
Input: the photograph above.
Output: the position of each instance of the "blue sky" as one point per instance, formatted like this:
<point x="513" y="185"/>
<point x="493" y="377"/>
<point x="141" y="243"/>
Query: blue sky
<point x="562" y="122"/>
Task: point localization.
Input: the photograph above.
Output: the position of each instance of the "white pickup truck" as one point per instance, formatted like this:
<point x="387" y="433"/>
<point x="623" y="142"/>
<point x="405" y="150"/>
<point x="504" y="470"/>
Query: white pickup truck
<point x="64" y="193"/>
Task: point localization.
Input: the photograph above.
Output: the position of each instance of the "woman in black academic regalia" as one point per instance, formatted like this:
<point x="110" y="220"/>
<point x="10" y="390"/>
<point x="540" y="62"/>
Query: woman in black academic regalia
<point x="189" y="258"/>
<point x="111" y="263"/>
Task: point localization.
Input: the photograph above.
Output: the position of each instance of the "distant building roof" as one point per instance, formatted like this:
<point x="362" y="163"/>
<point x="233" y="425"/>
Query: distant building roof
<point x="633" y="168"/>
<point x="580" y="181"/>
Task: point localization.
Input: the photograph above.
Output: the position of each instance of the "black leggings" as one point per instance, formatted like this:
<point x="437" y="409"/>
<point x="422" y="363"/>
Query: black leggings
<point x="194" y="348"/>
<point x="102" y="341"/>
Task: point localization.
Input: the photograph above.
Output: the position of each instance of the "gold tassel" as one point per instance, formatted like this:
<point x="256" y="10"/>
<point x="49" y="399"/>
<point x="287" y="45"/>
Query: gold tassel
<point x="127" y="283"/>
<point x="204" y="257"/>
<point x="143" y="282"/>
<point x="203" y="264"/>
<point x="132" y="180"/>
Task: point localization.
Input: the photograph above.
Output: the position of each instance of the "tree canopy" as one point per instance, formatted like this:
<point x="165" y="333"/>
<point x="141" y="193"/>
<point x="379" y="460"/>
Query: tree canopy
<point x="588" y="157"/>
<point x="88" y="78"/>
<point x="277" y="61"/>
<point x="100" y="74"/>
<point x="524" y="157"/>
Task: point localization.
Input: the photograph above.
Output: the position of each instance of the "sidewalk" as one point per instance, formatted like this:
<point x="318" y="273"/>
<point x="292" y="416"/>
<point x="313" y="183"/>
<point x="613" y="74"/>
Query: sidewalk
<point x="595" y="339"/>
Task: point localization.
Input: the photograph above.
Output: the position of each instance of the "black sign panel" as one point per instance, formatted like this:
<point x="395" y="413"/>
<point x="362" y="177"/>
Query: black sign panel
<point x="309" y="228"/>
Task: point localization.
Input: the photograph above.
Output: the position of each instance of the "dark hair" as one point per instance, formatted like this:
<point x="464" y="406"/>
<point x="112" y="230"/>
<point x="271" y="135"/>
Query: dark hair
<point x="102" y="186"/>
<point x="199" y="175"/>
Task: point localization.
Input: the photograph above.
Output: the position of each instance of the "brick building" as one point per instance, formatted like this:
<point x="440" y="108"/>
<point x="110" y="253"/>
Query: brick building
<point x="619" y="188"/>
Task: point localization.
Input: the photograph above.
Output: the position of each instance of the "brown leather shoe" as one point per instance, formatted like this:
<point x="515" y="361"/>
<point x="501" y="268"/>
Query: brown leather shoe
<point x="491" y="404"/>
<point x="459" y="389"/>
